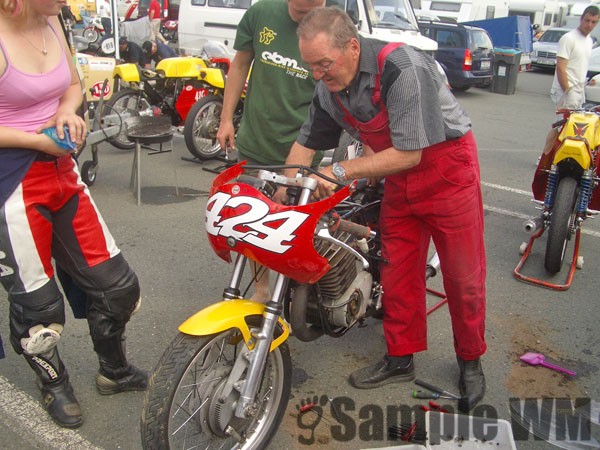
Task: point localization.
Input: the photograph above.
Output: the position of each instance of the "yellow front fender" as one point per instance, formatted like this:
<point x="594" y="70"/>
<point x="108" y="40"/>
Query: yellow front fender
<point x="229" y="314"/>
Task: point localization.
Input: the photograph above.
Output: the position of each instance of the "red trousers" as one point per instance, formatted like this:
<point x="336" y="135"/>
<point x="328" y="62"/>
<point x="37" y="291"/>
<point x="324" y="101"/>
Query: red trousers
<point x="440" y="199"/>
<point x="51" y="214"/>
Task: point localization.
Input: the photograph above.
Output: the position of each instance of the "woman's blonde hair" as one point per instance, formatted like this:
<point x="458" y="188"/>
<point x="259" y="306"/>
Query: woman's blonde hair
<point x="12" y="8"/>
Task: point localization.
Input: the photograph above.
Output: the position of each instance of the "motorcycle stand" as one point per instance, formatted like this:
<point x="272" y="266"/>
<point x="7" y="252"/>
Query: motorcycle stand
<point x="227" y="163"/>
<point x="575" y="264"/>
<point x="439" y="304"/>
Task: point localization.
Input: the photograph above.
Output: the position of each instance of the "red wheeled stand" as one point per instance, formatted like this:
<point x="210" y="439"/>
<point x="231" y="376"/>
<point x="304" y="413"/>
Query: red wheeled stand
<point x="547" y="284"/>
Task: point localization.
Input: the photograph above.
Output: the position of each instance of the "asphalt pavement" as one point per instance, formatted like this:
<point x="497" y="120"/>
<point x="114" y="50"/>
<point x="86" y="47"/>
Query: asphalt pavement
<point x="164" y="240"/>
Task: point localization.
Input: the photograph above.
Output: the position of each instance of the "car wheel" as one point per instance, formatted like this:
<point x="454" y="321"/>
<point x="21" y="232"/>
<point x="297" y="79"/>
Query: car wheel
<point x="460" y="88"/>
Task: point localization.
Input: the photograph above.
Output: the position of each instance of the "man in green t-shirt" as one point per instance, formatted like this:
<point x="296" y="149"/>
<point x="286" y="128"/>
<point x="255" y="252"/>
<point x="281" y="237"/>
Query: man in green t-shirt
<point x="279" y="92"/>
<point x="280" y="88"/>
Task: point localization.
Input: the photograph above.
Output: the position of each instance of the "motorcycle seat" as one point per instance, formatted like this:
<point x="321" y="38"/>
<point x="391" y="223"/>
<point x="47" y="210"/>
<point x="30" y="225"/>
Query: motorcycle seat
<point x="149" y="75"/>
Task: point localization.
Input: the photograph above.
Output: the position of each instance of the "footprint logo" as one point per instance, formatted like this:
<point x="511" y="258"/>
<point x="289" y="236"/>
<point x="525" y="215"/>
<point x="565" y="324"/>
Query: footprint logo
<point x="310" y="414"/>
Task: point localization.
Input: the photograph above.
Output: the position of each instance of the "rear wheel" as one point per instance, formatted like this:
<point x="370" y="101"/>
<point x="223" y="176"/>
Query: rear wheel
<point x="126" y="103"/>
<point x="561" y="223"/>
<point x="201" y="126"/>
<point x="190" y="403"/>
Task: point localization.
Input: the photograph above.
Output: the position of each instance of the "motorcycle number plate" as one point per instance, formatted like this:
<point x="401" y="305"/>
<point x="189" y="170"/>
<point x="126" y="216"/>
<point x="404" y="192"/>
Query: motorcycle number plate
<point x="108" y="46"/>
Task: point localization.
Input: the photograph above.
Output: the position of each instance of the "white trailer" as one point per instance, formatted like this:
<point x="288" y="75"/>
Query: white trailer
<point x="461" y="10"/>
<point x="545" y="13"/>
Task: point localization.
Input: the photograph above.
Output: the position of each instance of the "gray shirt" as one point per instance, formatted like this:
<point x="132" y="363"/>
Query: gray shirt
<point x="422" y="111"/>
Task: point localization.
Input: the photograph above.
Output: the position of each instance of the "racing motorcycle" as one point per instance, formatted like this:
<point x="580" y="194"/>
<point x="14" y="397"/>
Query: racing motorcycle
<point x="225" y="380"/>
<point x="172" y="89"/>
<point x="564" y="190"/>
<point x="168" y="29"/>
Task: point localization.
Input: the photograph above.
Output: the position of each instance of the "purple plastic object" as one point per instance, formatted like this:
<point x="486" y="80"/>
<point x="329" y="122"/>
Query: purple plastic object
<point x="537" y="359"/>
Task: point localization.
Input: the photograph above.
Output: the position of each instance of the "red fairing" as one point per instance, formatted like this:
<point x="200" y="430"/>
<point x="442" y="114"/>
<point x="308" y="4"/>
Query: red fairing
<point x="241" y="219"/>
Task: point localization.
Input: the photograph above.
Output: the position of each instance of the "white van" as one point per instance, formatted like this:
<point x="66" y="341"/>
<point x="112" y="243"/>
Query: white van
<point x="216" y="20"/>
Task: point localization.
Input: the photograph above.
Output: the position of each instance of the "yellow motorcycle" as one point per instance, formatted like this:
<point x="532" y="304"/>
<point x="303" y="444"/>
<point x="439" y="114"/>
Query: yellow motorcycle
<point x="565" y="186"/>
<point x="173" y="89"/>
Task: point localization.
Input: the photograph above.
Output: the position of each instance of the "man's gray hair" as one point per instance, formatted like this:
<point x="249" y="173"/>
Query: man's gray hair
<point x="330" y="20"/>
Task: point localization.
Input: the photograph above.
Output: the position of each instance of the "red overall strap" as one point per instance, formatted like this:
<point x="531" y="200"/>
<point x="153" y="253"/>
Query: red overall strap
<point x="381" y="57"/>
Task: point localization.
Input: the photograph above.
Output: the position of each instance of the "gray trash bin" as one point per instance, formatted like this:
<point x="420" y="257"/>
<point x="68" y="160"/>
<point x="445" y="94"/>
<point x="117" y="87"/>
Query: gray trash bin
<point x="506" y="69"/>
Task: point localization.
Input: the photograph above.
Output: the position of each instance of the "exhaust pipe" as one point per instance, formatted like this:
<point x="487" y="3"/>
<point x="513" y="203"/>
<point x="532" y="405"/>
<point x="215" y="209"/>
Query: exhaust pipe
<point x="433" y="266"/>
<point x="532" y="226"/>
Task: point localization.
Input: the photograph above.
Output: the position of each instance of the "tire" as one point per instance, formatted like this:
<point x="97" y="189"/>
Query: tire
<point x="91" y="34"/>
<point x="563" y="214"/>
<point x="133" y="101"/>
<point x="461" y="88"/>
<point x="179" y="412"/>
<point x="88" y="172"/>
<point x="201" y="126"/>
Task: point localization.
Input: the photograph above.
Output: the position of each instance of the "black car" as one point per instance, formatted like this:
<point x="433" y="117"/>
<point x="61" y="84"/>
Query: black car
<point x="466" y="53"/>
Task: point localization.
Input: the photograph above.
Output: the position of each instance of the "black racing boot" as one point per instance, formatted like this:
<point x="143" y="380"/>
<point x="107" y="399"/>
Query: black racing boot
<point x="112" y="381"/>
<point x="391" y="369"/>
<point x="57" y="393"/>
<point x="116" y="374"/>
<point x="471" y="384"/>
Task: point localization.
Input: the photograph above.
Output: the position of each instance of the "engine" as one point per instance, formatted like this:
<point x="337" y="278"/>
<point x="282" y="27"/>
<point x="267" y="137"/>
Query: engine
<point x="346" y="289"/>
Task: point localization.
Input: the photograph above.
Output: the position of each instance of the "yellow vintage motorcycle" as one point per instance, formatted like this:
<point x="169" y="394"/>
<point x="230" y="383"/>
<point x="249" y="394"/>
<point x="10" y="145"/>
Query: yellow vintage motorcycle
<point x="565" y="188"/>
<point x="188" y="90"/>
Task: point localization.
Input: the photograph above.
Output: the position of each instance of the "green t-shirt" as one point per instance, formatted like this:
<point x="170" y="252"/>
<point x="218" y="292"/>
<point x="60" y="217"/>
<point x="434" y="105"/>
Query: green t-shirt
<point x="280" y="89"/>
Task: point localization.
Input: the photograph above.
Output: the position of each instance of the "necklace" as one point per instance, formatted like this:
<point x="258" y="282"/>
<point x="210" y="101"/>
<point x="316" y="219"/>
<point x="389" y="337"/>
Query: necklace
<point x="44" y="50"/>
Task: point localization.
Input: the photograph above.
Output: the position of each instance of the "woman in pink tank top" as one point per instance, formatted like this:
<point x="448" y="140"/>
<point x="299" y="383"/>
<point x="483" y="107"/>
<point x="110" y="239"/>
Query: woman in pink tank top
<point x="46" y="213"/>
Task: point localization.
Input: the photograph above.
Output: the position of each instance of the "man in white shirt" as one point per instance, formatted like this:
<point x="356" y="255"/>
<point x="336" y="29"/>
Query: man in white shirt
<point x="572" y="60"/>
<point x="104" y="10"/>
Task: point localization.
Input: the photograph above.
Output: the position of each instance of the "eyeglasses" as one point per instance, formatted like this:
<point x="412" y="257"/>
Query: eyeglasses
<point x="324" y="67"/>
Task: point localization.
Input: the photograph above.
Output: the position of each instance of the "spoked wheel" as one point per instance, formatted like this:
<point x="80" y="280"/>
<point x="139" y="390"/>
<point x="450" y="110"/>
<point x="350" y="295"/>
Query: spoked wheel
<point x="201" y="126"/>
<point x="191" y="399"/>
<point x="126" y="103"/>
<point x="562" y="222"/>
<point x="91" y="34"/>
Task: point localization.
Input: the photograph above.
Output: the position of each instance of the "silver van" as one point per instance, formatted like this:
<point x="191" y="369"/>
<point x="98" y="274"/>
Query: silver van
<point x="216" y="20"/>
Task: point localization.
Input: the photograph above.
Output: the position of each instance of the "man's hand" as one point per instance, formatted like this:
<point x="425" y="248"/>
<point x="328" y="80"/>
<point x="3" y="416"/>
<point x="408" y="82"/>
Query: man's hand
<point x="226" y="135"/>
<point x="280" y="196"/>
<point x="325" y="188"/>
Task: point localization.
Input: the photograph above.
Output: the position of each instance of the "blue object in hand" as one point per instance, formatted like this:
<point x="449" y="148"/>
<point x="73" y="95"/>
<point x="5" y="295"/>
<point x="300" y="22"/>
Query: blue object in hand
<point x="66" y="143"/>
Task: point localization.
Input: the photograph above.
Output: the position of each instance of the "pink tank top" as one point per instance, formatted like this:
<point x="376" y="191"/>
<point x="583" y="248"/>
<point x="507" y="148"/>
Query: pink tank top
<point x="28" y="100"/>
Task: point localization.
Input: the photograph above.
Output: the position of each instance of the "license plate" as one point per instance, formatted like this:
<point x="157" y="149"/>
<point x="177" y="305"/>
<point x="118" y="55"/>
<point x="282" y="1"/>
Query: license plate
<point x="546" y="61"/>
<point x="485" y="65"/>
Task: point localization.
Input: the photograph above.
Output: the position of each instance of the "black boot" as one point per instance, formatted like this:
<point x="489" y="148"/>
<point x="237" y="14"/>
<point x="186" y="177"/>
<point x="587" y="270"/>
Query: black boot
<point x="57" y="392"/>
<point x="471" y="384"/>
<point x="116" y="374"/>
<point x="391" y="369"/>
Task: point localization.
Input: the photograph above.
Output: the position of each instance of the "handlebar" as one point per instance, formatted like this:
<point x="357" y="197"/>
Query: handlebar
<point x="358" y="231"/>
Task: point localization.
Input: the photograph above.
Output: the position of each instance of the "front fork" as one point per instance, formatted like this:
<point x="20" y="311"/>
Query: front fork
<point x="260" y="344"/>
<point x="258" y="356"/>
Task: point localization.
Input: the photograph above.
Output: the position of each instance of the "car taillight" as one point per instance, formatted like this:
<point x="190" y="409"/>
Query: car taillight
<point x="468" y="61"/>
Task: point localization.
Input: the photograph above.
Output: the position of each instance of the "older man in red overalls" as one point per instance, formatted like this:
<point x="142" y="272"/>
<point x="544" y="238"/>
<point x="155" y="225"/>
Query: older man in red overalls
<point x="415" y="134"/>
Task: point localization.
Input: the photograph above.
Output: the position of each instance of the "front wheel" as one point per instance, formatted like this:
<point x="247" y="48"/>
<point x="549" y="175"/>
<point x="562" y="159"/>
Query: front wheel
<point x="561" y="223"/>
<point x="126" y="103"/>
<point x="186" y="405"/>
<point x="201" y="126"/>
